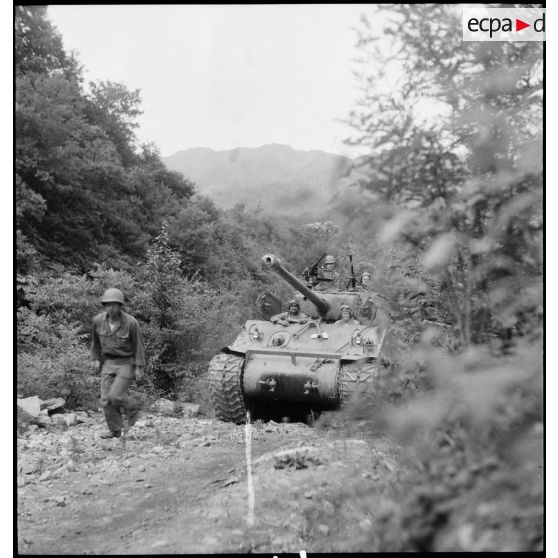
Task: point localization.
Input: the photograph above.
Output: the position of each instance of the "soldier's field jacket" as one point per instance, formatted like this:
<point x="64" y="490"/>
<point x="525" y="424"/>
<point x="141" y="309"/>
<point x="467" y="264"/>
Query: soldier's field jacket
<point x="124" y="342"/>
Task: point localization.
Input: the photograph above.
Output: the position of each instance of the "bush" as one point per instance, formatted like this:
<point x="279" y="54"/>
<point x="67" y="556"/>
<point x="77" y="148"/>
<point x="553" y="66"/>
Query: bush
<point x="183" y="322"/>
<point x="52" y="361"/>
<point x="470" y="473"/>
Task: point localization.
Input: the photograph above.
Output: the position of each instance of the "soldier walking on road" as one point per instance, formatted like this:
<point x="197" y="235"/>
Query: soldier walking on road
<point x="117" y="348"/>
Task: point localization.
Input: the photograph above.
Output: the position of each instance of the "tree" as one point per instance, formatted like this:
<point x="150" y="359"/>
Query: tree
<point x="465" y="190"/>
<point x="115" y="109"/>
<point x="447" y="210"/>
<point x="38" y="46"/>
<point x="84" y="192"/>
<point x="163" y="296"/>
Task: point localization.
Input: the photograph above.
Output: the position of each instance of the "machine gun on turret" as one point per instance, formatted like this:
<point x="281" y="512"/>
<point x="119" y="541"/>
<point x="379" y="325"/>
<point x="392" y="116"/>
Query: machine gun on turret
<point x="310" y="273"/>
<point x="351" y="283"/>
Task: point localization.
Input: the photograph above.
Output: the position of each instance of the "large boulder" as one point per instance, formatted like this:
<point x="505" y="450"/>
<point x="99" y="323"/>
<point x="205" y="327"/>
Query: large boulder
<point x="27" y="465"/>
<point x="54" y="404"/>
<point x="31" y="405"/>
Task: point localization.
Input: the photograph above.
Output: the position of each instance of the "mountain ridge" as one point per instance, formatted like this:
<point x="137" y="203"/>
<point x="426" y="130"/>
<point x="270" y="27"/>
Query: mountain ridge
<point x="277" y="177"/>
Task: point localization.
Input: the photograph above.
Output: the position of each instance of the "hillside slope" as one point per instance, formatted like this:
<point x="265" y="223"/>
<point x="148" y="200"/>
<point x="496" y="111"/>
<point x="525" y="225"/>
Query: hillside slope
<point x="277" y="177"/>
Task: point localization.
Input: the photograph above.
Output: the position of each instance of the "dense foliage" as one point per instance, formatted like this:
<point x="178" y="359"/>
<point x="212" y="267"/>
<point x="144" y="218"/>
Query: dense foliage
<point x="95" y="210"/>
<point x="84" y="192"/>
<point x="447" y="212"/>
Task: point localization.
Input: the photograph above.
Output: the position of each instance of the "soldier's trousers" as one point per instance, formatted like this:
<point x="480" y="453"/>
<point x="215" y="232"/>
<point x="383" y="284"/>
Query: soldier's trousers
<point x="115" y="381"/>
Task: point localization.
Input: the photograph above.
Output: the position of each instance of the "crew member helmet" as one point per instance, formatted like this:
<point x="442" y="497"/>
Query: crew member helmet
<point x="366" y="274"/>
<point x="329" y="259"/>
<point x="294" y="302"/>
<point x="346" y="307"/>
<point x="113" y="295"/>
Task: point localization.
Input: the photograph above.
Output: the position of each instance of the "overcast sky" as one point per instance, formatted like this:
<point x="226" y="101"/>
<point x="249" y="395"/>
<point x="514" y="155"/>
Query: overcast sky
<point x="225" y="76"/>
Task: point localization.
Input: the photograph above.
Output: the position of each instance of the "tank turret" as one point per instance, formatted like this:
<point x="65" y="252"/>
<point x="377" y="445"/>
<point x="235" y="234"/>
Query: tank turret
<point x="324" y="304"/>
<point x="273" y="263"/>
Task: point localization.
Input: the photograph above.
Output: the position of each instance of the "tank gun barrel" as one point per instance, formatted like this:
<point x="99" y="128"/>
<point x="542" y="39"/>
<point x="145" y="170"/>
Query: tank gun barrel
<point x="273" y="263"/>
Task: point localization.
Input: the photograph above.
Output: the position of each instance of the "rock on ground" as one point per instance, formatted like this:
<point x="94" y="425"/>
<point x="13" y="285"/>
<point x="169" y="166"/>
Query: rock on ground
<point x="181" y="483"/>
<point x="53" y="404"/>
<point x="31" y="405"/>
<point x="190" y="409"/>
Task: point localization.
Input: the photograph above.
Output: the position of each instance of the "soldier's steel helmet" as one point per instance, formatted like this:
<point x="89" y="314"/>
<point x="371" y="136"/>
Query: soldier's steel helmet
<point x="329" y="259"/>
<point x="294" y="302"/>
<point x="346" y="307"/>
<point x="113" y="295"/>
<point x="366" y="274"/>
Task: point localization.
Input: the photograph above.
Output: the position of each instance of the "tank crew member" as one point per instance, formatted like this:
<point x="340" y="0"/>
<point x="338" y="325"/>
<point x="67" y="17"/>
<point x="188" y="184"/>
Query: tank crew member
<point x="330" y="278"/>
<point x="346" y="317"/>
<point x="364" y="281"/>
<point x="118" y="352"/>
<point x="293" y="316"/>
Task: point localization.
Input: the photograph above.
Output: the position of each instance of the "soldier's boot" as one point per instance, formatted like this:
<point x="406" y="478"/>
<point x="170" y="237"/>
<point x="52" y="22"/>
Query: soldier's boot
<point x="111" y="434"/>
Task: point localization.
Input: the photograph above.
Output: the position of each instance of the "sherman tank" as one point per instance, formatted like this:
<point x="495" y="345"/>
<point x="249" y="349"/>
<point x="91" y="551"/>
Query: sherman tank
<point x="319" y="361"/>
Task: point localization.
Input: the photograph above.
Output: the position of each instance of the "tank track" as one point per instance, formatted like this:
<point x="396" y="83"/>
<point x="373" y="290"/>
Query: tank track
<point x="225" y="378"/>
<point x="357" y="383"/>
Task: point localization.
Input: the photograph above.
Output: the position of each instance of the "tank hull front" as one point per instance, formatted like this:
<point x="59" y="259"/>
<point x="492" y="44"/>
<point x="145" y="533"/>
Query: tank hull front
<point x="315" y="364"/>
<point x="294" y="377"/>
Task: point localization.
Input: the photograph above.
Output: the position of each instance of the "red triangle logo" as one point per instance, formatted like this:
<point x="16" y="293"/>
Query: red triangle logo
<point x="519" y="25"/>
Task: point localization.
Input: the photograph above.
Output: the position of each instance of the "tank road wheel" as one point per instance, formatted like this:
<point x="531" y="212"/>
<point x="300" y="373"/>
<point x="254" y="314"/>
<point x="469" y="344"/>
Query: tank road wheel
<point x="225" y="377"/>
<point x="358" y="384"/>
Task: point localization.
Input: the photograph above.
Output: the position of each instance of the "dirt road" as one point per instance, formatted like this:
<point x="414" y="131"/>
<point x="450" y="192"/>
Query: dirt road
<point x="180" y="486"/>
